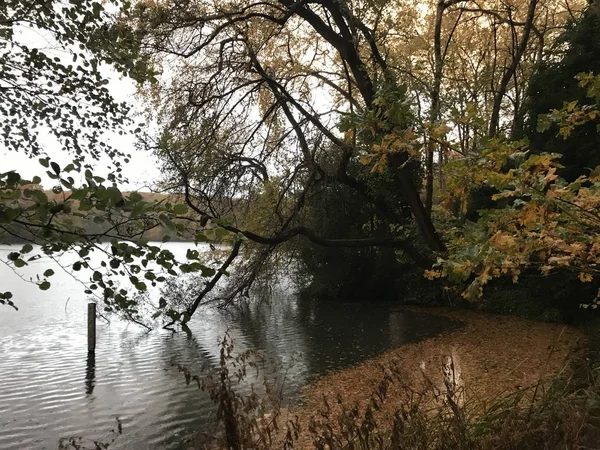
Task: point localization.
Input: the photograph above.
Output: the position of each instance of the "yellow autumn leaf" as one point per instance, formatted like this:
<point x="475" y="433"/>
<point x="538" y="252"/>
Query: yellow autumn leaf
<point x="531" y="215"/>
<point x="560" y="260"/>
<point x="515" y="275"/>
<point x="550" y="176"/>
<point x="503" y="241"/>
<point x="485" y="277"/>
<point x="585" y="277"/>
<point x="365" y="160"/>
<point x="432" y="274"/>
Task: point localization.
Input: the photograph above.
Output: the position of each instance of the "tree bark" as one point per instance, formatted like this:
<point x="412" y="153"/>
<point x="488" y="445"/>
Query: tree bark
<point x="511" y="70"/>
<point x="434" y="112"/>
<point x="420" y="214"/>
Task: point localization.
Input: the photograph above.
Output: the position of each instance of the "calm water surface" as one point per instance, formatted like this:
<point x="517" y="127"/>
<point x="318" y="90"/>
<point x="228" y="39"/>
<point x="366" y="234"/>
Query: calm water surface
<point x="49" y="388"/>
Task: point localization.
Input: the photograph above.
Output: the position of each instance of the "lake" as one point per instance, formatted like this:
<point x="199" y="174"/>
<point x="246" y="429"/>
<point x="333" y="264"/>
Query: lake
<point x="50" y="388"/>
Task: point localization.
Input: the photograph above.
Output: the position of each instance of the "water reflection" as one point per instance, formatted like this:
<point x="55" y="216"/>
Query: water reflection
<point x="397" y="328"/>
<point x="90" y="373"/>
<point x="133" y="374"/>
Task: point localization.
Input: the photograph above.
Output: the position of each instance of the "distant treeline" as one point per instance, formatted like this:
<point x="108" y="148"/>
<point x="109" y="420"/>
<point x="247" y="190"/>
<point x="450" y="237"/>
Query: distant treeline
<point x="92" y="225"/>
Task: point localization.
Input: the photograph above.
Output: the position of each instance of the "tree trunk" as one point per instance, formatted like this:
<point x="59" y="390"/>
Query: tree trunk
<point x="344" y="43"/>
<point x="434" y="111"/>
<point x="511" y="70"/>
<point x="418" y="210"/>
<point x="420" y="214"/>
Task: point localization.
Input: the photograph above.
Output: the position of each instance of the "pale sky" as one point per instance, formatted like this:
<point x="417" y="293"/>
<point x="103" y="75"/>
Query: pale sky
<point x="141" y="171"/>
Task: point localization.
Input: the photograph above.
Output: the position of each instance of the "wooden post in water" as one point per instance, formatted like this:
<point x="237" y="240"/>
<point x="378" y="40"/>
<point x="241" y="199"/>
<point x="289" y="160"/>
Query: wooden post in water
<point x="91" y="327"/>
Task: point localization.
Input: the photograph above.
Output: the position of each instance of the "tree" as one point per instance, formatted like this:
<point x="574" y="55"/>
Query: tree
<point x="316" y="87"/>
<point x="58" y="91"/>
<point x="467" y="65"/>
<point x="545" y="223"/>
<point x="45" y="81"/>
<point x="554" y="84"/>
<point x="266" y="114"/>
<point x="270" y="90"/>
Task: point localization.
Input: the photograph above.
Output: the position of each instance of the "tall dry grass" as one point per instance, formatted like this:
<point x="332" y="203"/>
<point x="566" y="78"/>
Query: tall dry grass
<point x="562" y="412"/>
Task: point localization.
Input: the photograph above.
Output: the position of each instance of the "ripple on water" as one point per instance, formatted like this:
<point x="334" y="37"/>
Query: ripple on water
<point x="50" y="388"/>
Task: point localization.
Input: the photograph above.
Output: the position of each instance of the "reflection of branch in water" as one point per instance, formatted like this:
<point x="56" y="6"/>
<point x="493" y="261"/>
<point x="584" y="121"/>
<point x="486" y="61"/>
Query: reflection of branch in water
<point x="90" y="373"/>
<point x="79" y="442"/>
<point x="211" y="284"/>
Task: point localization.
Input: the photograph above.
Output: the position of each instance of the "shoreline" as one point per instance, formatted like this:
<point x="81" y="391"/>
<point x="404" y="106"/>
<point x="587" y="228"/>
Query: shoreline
<point x="513" y="351"/>
<point x="494" y="382"/>
<point x="493" y="355"/>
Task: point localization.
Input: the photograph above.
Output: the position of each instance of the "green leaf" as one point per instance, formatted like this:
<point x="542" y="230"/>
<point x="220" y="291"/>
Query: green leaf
<point x="180" y="209"/>
<point x="5" y="217"/>
<point x="49" y="273"/>
<point x="543" y="123"/>
<point x="55" y="167"/>
<point x="56" y="208"/>
<point x="40" y="196"/>
<point x="192" y="254"/>
<point x="114" y="194"/>
<point x="44" y="286"/>
<point x="166" y="221"/>
<point x="27" y="248"/>
<point x="12" y="177"/>
<point x="135" y="197"/>
<point x="79" y="194"/>
<point x="150" y="276"/>
<point x="208" y="271"/>
<point x="345" y="125"/>
<point x="220" y="233"/>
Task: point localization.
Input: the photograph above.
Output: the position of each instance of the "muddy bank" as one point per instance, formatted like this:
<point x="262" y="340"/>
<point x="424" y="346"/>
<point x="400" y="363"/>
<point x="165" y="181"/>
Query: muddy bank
<point x="493" y="355"/>
<point x="489" y="356"/>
